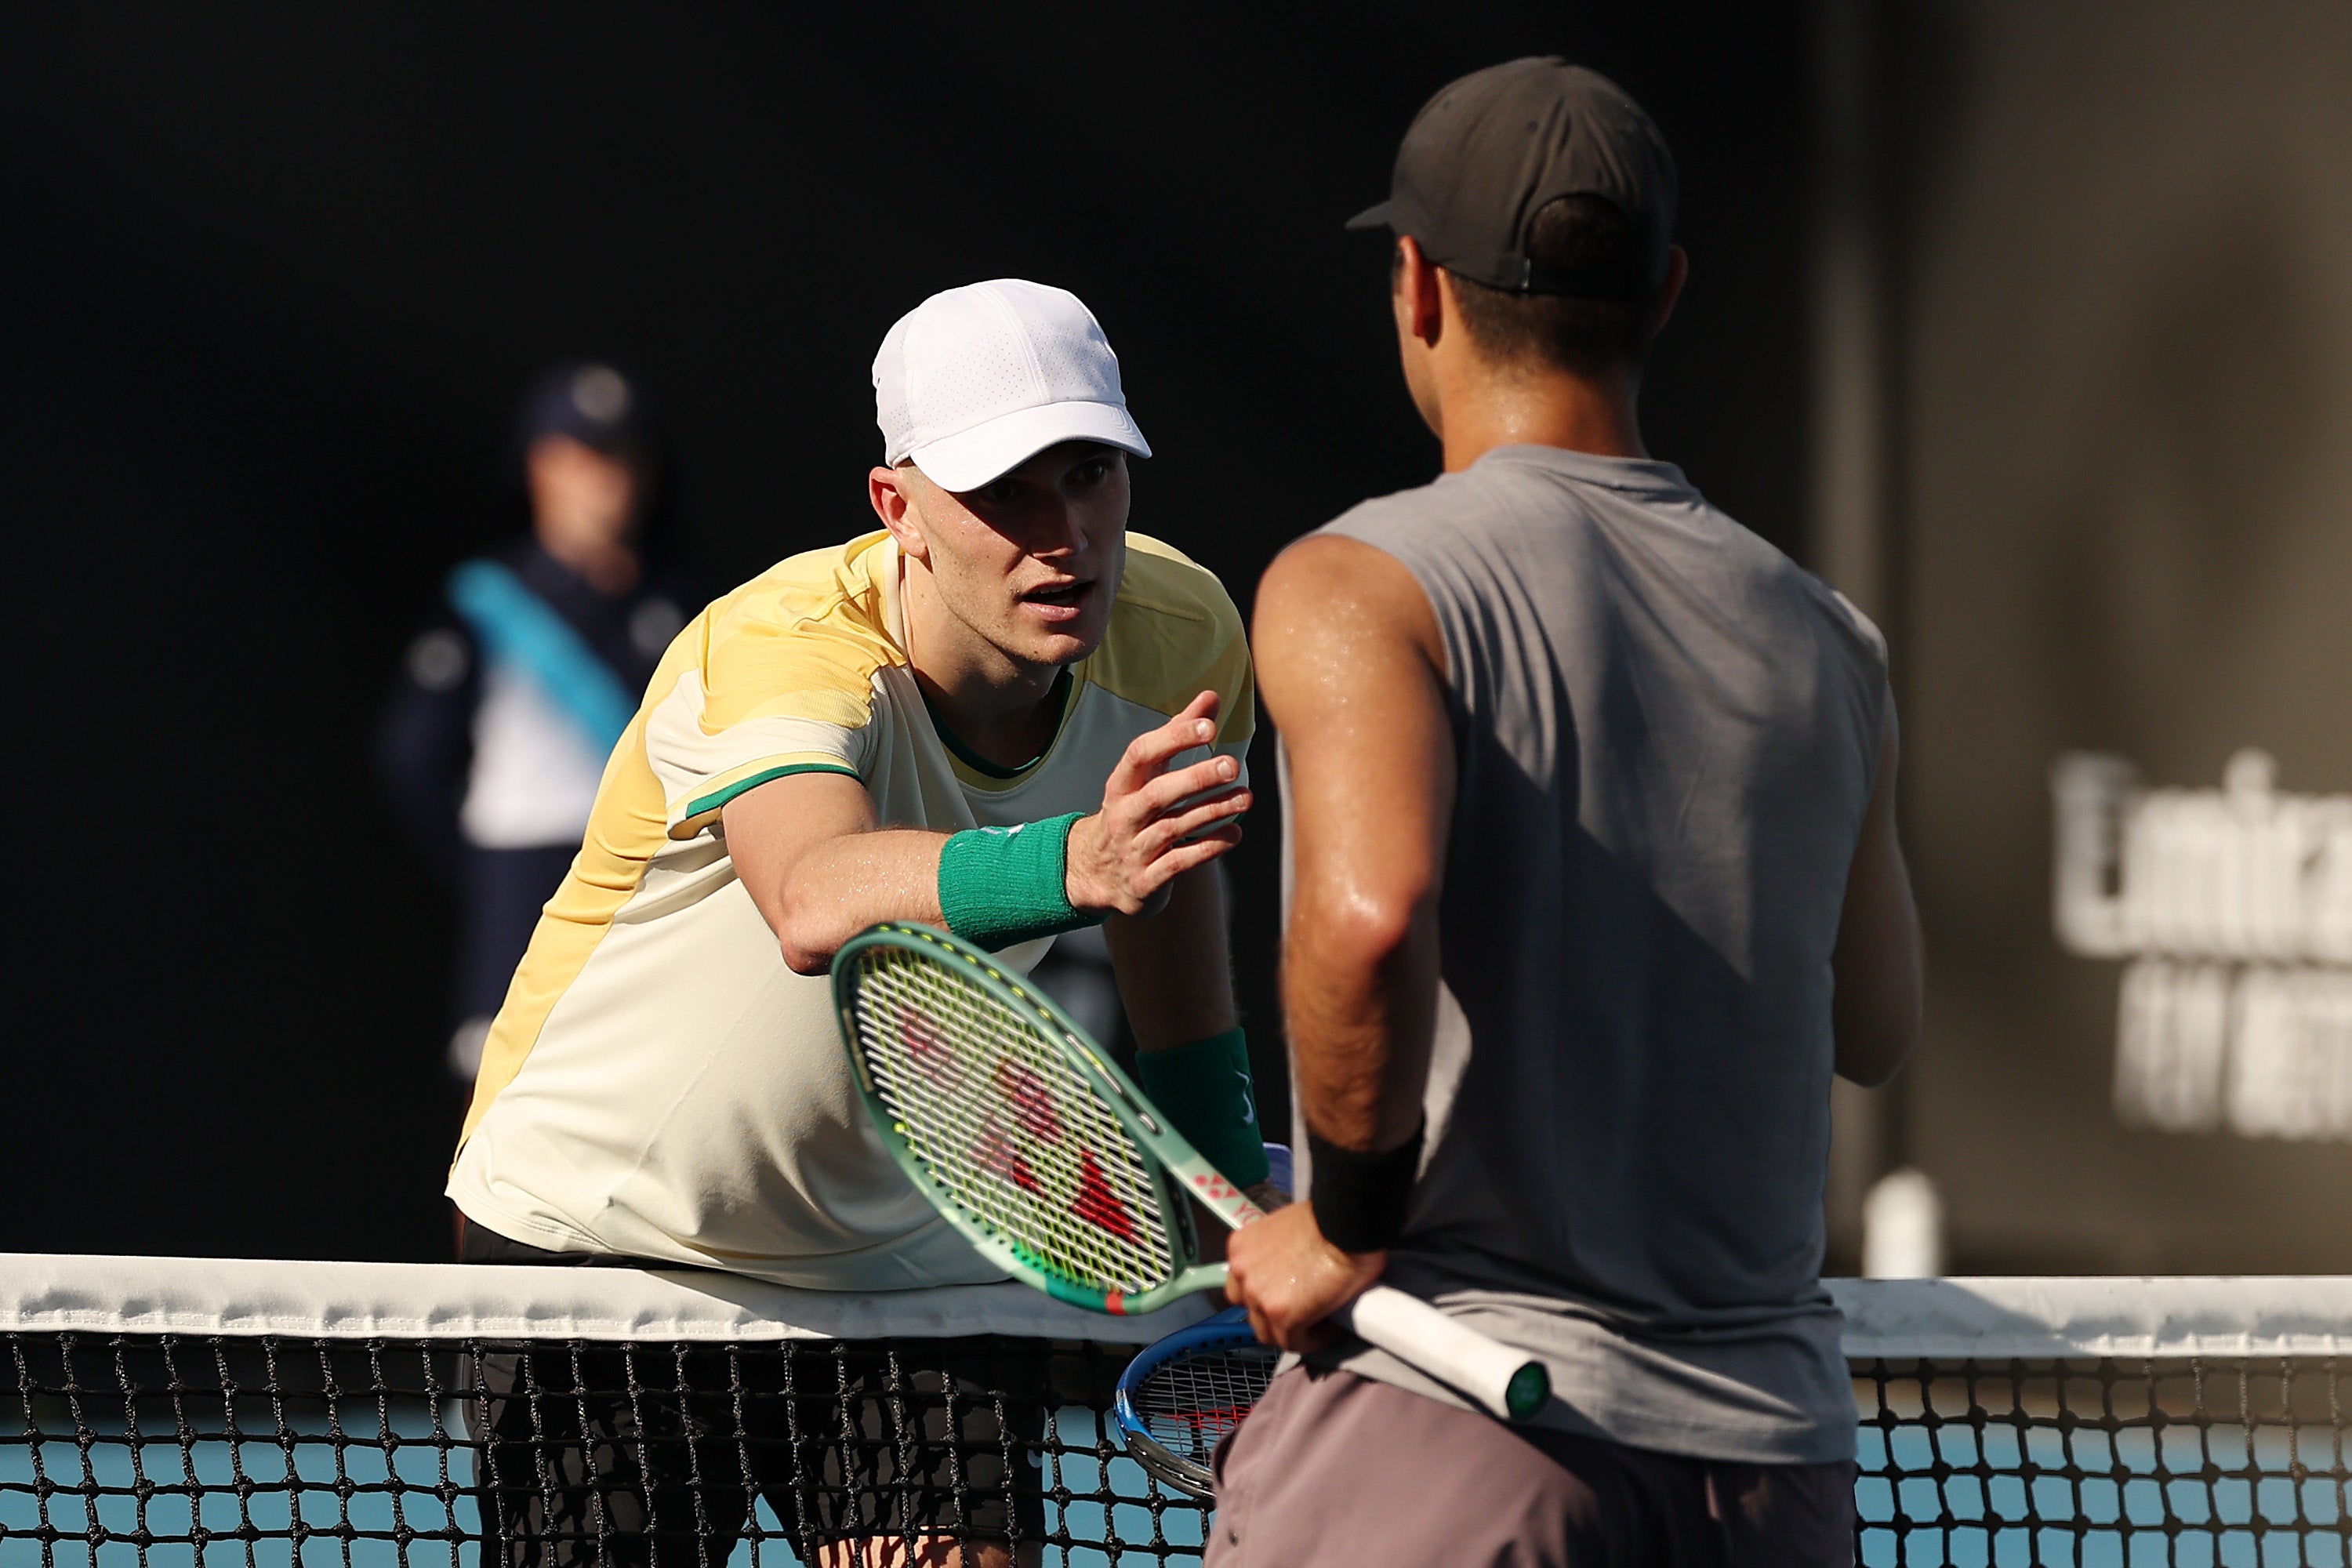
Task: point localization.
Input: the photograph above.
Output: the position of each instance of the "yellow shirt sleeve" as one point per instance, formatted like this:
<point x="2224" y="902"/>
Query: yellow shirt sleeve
<point x="781" y="681"/>
<point x="1174" y="635"/>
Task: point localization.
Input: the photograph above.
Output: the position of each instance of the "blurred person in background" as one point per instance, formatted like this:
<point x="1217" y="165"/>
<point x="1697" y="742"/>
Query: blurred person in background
<point x="508" y="704"/>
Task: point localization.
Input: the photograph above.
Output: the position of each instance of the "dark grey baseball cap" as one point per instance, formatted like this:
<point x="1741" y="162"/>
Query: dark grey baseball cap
<point x="589" y="401"/>
<point x="1486" y="155"/>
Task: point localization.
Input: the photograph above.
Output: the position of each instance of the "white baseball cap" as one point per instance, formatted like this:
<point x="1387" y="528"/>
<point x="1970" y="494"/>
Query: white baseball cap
<point x="974" y="382"/>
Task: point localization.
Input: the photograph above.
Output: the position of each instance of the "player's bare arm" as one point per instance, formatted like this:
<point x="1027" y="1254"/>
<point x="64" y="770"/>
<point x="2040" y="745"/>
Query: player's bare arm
<point x="1177" y="987"/>
<point x="1005" y="586"/>
<point x="1876" y="964"/>
<point x="1353" y="669"/>
<point x="1173" y="976"/>
<point x="821" y="868"/>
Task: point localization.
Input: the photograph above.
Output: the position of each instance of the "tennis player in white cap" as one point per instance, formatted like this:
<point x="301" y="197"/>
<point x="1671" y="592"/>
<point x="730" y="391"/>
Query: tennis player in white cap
<point x="1000" y="712"/>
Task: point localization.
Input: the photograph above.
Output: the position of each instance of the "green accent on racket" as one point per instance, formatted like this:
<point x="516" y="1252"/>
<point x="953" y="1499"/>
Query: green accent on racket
<point x="1021" y="1132"/>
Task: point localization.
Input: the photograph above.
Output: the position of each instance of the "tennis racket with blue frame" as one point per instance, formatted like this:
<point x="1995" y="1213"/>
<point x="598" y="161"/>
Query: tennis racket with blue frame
<point x="1184" y="1393"/>
<point x="1023" y="1133"/>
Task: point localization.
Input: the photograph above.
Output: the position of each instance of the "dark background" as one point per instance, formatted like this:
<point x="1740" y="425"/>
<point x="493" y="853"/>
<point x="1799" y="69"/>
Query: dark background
<point x="2124" y="411"/>
<point x="271" y="278"/>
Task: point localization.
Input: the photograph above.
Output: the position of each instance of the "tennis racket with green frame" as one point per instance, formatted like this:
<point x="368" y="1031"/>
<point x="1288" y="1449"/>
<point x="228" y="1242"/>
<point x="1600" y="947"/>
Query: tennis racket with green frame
<point x="1028" y="1139"/>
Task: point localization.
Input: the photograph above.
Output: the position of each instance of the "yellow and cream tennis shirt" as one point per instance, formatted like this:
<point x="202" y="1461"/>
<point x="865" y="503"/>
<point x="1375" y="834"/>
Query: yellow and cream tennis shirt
<point x="658" y="1084"/>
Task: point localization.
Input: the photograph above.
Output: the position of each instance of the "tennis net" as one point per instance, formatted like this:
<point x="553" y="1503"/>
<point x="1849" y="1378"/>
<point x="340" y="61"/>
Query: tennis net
<point x="2101" y="1421"/>
<point x="173" y="1412"/>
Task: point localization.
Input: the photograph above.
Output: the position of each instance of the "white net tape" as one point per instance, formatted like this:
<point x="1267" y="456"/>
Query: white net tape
<point x="66" y="1292"/>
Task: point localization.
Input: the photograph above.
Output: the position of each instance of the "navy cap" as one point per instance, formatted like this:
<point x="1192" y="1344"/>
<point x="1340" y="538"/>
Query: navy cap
<point x="587" y="400"/>
<point x="1490" y="151"/>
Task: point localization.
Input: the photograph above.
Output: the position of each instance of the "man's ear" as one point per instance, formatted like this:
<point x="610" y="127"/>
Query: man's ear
<point x="1421" y="309"/>
<point x="892" y="494"/>
<point x="1677" y="274"/>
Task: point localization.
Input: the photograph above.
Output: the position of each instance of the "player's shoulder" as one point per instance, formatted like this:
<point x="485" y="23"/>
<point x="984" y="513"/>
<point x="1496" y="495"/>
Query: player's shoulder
<point x="1843" y="616"/>
<point x="1775" y="590"/>
<point x="1453" y="502"/>
<point x="839" y="586"/>
<point x="1174" y="630"/>
<point x="814" y="625"/>
<point x="1166" y="588"/>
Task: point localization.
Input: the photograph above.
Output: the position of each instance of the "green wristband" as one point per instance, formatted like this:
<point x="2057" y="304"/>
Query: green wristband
<point x="1203" y="1090"/>
<point x="999" y="886"/>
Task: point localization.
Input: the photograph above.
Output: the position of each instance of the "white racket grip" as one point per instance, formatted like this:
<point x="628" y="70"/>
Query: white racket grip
<point x="1508" y="1383"/>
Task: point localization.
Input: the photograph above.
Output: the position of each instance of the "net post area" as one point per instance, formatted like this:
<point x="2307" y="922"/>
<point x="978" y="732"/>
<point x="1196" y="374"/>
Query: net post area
<point x="167" y="1412"/>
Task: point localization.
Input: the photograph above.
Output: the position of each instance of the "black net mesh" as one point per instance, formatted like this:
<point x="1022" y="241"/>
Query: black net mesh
<point x="2093" y="1462"/>
<point x="167" y="1450"/>
<point x="188" y="1449"/>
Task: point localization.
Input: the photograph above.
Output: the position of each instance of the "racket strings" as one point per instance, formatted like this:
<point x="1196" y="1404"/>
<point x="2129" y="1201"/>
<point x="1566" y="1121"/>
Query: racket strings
<point x="1002" y="1119"/>
<point x="1189" y="1404"/>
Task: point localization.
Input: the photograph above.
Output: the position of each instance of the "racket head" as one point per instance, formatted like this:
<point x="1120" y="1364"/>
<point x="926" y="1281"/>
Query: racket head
<point x="1181" y="1396"/>
<point x="1012" y="1122"/>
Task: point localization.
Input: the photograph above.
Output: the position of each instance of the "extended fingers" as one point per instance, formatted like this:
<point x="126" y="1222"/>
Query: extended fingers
<point x="1169" y="788"/>
<point x="1183" y="858"/>
<point x="1203" y="706"/>
<point x="1149" y="752"/>
<point x="1156" y="750"/>
<point x="1195" y="818"/>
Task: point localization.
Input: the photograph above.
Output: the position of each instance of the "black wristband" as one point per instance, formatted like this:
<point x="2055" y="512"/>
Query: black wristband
<point x="1359" y="1200"/>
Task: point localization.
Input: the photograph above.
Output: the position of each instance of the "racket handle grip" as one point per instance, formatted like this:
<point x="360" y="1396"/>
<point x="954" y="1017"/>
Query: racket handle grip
<point x="1504" y="1381"/>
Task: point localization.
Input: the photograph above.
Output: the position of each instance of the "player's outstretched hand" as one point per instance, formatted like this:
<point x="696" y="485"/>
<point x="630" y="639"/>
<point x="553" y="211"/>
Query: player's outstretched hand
<point x="1290" y="1278"/>
<point x="1121" y="859"/>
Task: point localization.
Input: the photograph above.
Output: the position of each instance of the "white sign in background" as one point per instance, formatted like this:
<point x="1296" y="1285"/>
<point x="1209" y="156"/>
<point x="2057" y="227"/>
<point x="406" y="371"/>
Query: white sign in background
<point x="2235" y="907"/>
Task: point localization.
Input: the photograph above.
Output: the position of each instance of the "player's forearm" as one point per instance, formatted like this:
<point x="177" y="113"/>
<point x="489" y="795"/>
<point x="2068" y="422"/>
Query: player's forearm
<point x="1875" y="1015"/>
<point x="820" y="869"/>
<point x="1360" y="982"/>
<point x="1352" y="668"/>
<point x="1175" y="976"/>
<point x="837" y="888"/>
<point x="1874" y="1035"/>
<point x="1876" y="1010"/>
<point x="1195" y="1063"/>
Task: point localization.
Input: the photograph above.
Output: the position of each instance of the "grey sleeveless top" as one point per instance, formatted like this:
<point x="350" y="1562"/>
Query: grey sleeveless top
<point x="1666" y="735"/>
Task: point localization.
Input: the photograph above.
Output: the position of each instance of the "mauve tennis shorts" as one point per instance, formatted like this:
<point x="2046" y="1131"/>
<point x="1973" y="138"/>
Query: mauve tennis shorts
<point x="1336" y="1469"/>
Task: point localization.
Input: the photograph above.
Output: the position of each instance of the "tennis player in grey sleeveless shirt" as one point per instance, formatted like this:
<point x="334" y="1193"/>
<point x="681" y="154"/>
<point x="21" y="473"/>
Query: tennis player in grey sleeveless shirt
<point x="1666" y="736"/>
<point x="1594" y="884"/>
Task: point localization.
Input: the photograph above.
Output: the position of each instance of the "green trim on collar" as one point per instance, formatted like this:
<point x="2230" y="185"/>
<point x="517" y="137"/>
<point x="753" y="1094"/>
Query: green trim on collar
<point x="1063" y="684"/>
<point x="719" y="797"/>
